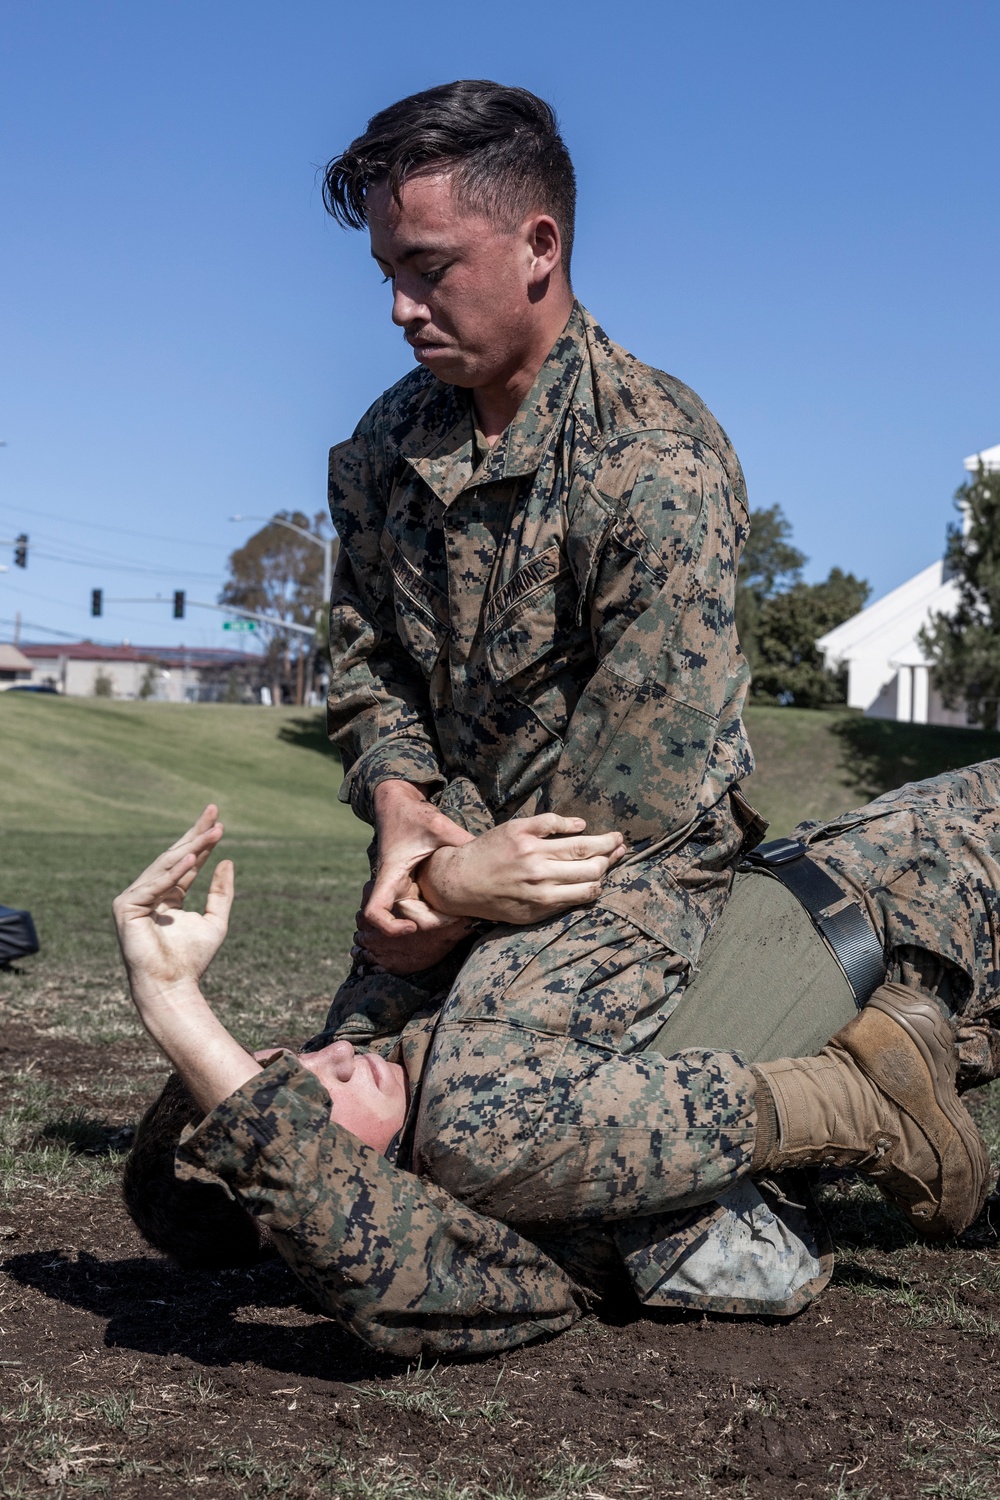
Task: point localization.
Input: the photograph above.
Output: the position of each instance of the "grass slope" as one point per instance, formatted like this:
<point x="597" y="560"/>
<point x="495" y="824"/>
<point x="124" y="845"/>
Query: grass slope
<point x="816" y="764"/>
<point x="79" y="765"/>
<point x="83" y="765"/>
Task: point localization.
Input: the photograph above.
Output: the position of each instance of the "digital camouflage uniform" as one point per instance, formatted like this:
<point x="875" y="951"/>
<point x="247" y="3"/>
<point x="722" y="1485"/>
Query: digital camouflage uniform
<point x="404" y="1264"/>
<point x="925" y="861"/>
<point x="547" y="625"/>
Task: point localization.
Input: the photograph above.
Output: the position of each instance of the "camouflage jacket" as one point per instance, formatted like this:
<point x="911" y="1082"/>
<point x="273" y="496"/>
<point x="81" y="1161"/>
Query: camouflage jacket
<point x="546" y="625"/>
<point x="411" y="1270"/>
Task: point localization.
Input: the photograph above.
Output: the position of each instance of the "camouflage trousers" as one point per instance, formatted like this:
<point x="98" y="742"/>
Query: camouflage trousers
<point x="536" y="1106"/>
<point x="539" y="1105"/>
<point x="924" y="861"/>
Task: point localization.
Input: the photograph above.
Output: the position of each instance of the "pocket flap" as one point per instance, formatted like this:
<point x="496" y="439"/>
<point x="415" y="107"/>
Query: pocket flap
<point x="531" y="615"/>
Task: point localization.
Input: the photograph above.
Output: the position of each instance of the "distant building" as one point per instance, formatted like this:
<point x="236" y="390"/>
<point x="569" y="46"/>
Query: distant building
<point x="888" y="672"/>
<point x="14" y="666"/>
<point x="170" y="674"/>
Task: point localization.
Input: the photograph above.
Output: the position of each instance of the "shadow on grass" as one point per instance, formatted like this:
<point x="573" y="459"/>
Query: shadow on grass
<point x="881" y="754"/>
<point x="307" y="733"/>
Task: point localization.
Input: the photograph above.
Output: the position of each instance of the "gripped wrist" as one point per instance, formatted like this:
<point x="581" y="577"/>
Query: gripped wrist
<point x="435" y="877"/>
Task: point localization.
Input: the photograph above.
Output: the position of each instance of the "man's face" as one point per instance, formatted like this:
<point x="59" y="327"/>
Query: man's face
<point x="462" y="289"/>
<point x="369" y="1095"/>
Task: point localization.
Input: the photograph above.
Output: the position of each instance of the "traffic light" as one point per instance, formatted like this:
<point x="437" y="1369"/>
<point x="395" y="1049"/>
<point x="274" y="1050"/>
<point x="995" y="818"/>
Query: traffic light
<point x="96" y="601"/>
<point x="21" y="550"/>
<point x="178" y="604"/>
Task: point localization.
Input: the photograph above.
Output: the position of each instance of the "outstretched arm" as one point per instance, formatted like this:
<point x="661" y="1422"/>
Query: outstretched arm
<point x="167" y="950"/>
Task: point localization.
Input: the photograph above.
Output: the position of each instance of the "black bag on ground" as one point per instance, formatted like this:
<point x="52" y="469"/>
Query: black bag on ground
<point x="18" y="937"/>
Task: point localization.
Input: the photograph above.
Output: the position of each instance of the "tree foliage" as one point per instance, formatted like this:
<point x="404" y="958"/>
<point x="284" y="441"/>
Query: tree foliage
<point x="790" y="668"/>
<point x="779" y="618"/>
<point x="964" y="647"/>
<point x="769" y="561"/>
<point x="278" y="573"/>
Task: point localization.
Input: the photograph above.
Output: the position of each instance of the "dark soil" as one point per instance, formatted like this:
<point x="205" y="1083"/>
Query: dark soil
<point x="161" y="1383"/>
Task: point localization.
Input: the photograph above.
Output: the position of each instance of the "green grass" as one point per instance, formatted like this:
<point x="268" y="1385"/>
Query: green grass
<point x="816" y="764"/>
<point x="87" y="766"/>
<point x="53" y="1439"/>
<point x="82" y="765"/>
<point x="286" y="953"/>
<point x="93" y="791"/>
<point x="49" y="1149"/>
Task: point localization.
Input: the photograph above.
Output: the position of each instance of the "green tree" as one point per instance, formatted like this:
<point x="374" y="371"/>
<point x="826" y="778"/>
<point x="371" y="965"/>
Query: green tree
<point x="769" y="562"/>
<point x="278" y="573"/>
<point x="789" y="668"/>
<point x="964" y="647"/>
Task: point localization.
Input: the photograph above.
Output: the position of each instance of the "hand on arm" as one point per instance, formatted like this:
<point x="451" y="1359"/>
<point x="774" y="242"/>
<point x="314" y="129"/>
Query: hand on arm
<point x="522" y="871"/>
<point x="167" y="950"/>
<point x="397" y="930"/>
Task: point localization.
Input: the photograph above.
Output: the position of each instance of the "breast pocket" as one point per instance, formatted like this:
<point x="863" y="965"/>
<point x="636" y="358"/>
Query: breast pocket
<point x="531" y="626"/>
<point x="421" y="610"/>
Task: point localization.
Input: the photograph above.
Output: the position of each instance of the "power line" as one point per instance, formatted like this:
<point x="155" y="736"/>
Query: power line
<point x="145" y="536"/>
<point x="67" y="635"/>
<point x="122" y="566"/>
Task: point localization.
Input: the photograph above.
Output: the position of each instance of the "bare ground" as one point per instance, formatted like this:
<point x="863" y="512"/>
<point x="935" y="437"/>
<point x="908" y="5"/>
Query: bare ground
<point x="123" y="1376"/>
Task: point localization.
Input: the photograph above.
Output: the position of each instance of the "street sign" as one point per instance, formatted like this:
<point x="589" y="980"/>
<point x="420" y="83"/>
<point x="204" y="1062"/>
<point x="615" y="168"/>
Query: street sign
<point x="239" y="624"/>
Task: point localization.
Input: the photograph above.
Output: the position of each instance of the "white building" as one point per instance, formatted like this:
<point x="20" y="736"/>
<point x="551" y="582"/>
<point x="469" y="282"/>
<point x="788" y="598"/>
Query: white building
<point x="888" y="673"/>
<point x="172" y="674"/>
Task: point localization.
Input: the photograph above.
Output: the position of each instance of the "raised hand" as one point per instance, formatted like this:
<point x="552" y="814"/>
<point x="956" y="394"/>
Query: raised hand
<point x="164" y="945"/>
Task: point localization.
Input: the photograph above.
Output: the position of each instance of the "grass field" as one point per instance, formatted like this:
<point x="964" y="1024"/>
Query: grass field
<point x="121" y="1377"/>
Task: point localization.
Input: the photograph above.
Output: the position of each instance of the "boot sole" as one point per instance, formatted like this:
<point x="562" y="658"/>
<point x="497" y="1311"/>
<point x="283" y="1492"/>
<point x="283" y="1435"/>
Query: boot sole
<point x="965" y="1161"/>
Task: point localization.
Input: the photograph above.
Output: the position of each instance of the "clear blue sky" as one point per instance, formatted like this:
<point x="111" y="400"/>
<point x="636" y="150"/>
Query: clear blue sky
<point x="792" y="206"/>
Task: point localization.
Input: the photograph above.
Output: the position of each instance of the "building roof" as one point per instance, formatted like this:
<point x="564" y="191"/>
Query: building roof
<point x="172" y="656"/>
<point x="13" y="660"/>
<point x="989" y="458"/>
<point x="889" y="626"/>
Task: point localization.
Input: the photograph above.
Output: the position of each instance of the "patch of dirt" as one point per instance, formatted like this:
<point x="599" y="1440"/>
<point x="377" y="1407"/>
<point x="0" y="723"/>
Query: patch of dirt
<point x="157" y="1382"/>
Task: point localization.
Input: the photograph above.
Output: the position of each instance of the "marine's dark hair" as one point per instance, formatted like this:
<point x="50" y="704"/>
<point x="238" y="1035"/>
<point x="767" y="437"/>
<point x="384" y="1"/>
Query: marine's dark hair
<point x="503" y="143"/>
<point x="196" y="1223"/>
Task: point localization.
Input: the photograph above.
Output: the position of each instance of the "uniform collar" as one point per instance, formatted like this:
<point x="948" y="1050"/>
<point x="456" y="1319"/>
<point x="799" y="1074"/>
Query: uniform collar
<point x="446" y="458"/>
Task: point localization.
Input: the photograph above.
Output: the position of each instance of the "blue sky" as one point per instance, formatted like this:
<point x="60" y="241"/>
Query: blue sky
<point x="793" y="207"/>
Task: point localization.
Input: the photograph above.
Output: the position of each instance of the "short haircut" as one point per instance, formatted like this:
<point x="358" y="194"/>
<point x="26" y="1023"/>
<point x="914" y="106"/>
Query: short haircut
<point x="502" y="143"/>
<point x="196" y="1223"/>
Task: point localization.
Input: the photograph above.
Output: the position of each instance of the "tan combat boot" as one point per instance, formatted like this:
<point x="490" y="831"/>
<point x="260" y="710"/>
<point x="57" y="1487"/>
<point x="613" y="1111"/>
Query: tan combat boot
<point x="881" y="1098"/>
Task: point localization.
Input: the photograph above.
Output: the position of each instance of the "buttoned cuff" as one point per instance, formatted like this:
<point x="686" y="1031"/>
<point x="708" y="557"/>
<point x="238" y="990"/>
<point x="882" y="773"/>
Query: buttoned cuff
<point x="462" y="802"/>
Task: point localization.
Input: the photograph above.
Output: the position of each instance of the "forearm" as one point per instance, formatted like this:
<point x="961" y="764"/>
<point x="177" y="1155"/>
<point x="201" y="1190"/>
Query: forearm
<point x="180" y="1021"/>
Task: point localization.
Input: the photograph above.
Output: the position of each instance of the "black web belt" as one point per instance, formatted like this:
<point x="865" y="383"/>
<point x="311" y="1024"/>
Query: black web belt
<point x="849" y="934"/>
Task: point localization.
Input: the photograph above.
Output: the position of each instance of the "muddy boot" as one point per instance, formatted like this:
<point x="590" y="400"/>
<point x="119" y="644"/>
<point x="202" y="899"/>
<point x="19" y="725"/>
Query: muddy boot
<point x="881" y="1098"/>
